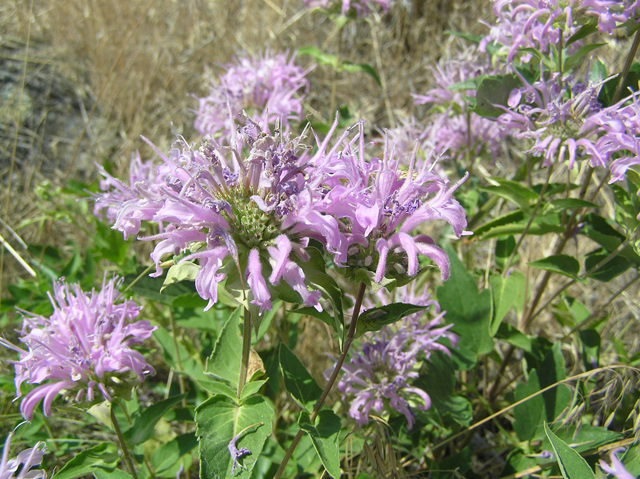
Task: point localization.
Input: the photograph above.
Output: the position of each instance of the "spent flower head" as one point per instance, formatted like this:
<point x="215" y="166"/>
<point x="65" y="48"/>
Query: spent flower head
<point x="24" y="461"/>
<point x="267" y="87"/>
<point x="379" y="377"/>
<point x="84" y="346"/>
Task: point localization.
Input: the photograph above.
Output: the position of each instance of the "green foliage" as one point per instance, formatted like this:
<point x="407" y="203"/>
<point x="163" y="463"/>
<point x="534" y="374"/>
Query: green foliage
<point x="471" y="317"/>
<point x="495" y="91"/>
<point x="103" y="457"/>
<point x="297" y="380"/>
<point x="560" y="263"/>
<point x="324" y="433"/>
<point x="219" y="420"/>
<point x="224" y="363"/>
<point x="142" y="428"/>
<point x="572" y="465"/>
<point x="375" y="319"/>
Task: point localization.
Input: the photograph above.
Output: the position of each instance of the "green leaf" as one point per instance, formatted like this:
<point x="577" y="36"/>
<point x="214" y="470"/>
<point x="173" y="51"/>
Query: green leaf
<point x="103" y="456"/>
<point x="315" y="276"/>
<point x="607" y="92"/>
<point x="252" y="388"/>
<point x="509" y="334"/>
<point x="168" y="454"/>
<point x="149" y="287"/>
<point x="504" y="248"/>
<point x="375" y="319"/>
<point x="463" y="85"/>
<point x="552" y="370"/>
<point x="467" y="36"/>
<point x="142" y="428"/>
<point x="610" y="270"/>
<point x="217" y="387"/>
<point x="541" y="225"/>
<point x="224" y="363"/>
<point x="108" y="474"/>
<point x="574" y="59"/>
<point x="590" y="341"/>
<point x="529" y="414"/>
<point x="361" y="67"/>
<point x="572" y="465"/>
<point x="297" y="380"/>
<point x="190" y="366"/>
<point x="558" y="206"/>
<point x="509" y="218"/>
<point x="472" y="316"/>
<point x="584" y="31"/>
<point x="495" y="91"/>
<point x="508" y="194"/>
<point x="219" y="419"/>
<point x="184" y="271"/>
<point x="318" y="55"/>
<point x="324" y="433"/>
<point x="439" y="378"/>
<point x="561" y="264"/>
<point x="505" y="293"/>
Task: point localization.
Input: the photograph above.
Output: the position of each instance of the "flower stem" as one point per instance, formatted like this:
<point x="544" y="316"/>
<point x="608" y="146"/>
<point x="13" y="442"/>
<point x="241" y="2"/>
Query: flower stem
<point x="334" y="375"/>
<point x="123" y="444"/>
<point x="627" y="67"/>
<point x="530" y="222"/>
<point x="246" y="351"/>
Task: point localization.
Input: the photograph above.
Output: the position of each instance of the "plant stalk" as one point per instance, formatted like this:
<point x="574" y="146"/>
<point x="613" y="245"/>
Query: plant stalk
<point x="530" y="222"/>
<point x="123" y="444"/>
<point x="627" y="67"/>
<point x="332" y="379"/>
<point x="246" y="351"/>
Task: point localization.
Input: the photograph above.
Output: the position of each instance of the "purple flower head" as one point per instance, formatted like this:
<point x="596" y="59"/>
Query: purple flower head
<point x="86" y="344"/>
<point x="380" y="205"/>
<point x="383" y="366"/>
<point x="360" y="7"/>
<point x="538" y="24"/>
<point x="246" y="217"/>
<point x="557" y="118"/>
<point x="455" y="132"/>
<point x="616" y="469"/>
<point x="24" y="461"/>
<point x="127" y="205"/>
<point x="266" y="87"/>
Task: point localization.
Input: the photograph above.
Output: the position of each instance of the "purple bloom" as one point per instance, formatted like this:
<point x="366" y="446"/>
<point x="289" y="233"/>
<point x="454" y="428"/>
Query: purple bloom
<point x="538" y="23"/>
<point x="616" y="468"/>
<point x="557" y="119"/>
<point x="361" y="7"/>
<point x="380" y="205"/>
<point x="128" y="205"/>
<point x="247" y="214"/>
<point x="237" y="454"/>
<point x="456" y="132"/>
<point x="83" y="346"/>
<point x="382" y="367"/>
<point x="266" y="87"/>
<point x="27" y="459"/>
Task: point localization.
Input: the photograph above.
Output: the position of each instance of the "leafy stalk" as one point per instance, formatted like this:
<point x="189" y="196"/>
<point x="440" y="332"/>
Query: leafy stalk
<point x="246" y="351"/>
<point x="332" y="379"/>
<point x="123" y="444"/>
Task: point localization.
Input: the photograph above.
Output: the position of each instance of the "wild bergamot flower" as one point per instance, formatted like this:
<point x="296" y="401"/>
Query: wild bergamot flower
<point x="84" y="346"/>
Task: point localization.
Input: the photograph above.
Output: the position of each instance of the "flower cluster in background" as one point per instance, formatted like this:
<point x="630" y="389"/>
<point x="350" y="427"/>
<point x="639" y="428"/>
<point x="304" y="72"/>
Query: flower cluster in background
<point x="454" y="130"/>
<point x="268" y="87"/>
<point x="84" y="346"/>
<point x="379" y="375"/>
<point x="361" y="7"/>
